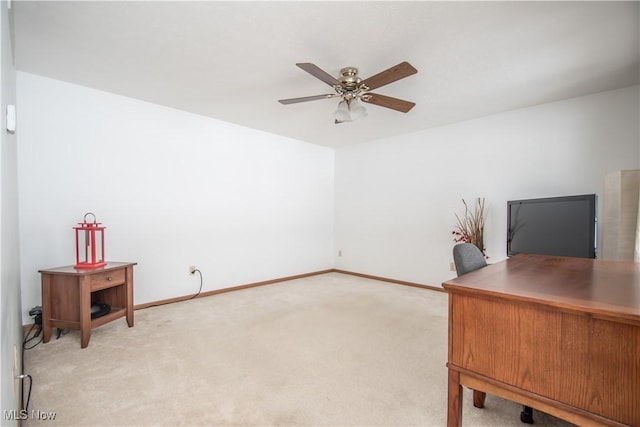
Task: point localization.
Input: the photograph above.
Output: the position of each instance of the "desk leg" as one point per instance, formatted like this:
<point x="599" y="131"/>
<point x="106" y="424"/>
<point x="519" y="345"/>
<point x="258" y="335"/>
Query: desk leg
<point x="478" y="398"/>
<point x="46" y="304"/>
<point x="85" y="311"/>
<point x="454" y="408"/>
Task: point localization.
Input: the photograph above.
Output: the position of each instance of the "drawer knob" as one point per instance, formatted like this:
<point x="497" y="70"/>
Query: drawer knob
<point x="109" y="278"/>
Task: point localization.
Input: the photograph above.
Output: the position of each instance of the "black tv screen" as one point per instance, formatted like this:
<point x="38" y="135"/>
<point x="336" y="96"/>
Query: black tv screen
<point x="561" y="226"/>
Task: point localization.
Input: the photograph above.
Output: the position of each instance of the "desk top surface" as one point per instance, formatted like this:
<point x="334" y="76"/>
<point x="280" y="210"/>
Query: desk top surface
<point x="609" y="288"/>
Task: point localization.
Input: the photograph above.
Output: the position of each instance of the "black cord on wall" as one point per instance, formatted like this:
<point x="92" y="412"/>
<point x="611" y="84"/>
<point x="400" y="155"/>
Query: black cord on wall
<point x="27" y="339"/>
<point x="185" y="299"/>
<point x="25" y="346"/>
<point x="200" y="289"/>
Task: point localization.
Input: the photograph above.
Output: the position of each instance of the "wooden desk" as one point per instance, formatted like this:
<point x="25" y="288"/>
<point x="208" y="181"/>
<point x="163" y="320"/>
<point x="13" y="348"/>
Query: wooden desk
<point x="561" y="335"/>
<point x="67" y="294"/>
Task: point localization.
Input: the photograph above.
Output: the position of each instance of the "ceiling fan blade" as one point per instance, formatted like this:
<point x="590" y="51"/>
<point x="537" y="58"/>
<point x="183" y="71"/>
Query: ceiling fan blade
<point x="318" y="73"/>
<point x="400" y="71"/>
<point x="388" y="102"/>
<point x="306" y="98"/>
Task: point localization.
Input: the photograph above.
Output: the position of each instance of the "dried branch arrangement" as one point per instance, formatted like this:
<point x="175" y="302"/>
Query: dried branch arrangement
<point x="470" y="228"/>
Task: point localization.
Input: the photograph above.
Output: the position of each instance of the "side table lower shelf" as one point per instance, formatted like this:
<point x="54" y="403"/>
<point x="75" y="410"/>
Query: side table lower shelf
<point x="114" y="314"/>
<point x="67" y="294"/>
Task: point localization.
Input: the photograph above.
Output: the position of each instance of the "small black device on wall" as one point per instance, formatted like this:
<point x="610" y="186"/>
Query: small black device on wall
<point x="560" y="226"/>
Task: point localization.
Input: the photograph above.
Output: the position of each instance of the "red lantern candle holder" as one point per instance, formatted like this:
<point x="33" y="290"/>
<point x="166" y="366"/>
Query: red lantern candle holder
<point x="89" y="244"/>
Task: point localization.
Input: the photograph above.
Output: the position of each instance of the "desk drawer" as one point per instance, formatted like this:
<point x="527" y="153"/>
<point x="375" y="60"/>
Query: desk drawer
<point x="107" y="279"/>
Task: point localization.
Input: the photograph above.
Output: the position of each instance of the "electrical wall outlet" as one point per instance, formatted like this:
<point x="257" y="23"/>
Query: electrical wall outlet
<point x="192" y="269"/>
<point x="340" y="252"/>
<point x="452" y="266"/>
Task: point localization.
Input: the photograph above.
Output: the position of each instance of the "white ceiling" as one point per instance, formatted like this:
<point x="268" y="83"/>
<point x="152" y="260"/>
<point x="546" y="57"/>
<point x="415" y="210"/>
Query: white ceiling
<point x="233" y="60"/>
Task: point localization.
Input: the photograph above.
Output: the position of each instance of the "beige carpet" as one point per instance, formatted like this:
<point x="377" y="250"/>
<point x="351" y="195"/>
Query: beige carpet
<point x="328" y="350"/>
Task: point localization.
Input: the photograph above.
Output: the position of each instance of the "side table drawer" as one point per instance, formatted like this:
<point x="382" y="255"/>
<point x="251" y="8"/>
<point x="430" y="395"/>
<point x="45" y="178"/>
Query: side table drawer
<point x="107" y="279"/>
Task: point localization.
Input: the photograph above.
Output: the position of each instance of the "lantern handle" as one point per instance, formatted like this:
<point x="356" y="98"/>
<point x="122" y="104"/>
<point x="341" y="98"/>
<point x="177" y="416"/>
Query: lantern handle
<point x="90" y="213"/>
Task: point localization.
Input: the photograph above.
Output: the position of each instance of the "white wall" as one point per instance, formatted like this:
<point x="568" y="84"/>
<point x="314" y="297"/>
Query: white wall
<point x="10" y="318"/>
<point x="396" y="198"/>
<point x="173" y="189"/>
<point x="176" y="189"/>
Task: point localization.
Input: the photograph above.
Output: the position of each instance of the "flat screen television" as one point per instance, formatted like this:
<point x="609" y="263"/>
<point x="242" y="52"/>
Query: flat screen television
<point x="561" y="226"/>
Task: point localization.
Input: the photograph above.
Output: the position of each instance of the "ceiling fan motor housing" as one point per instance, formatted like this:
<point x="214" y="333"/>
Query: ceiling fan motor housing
<point x="349" y="78"/>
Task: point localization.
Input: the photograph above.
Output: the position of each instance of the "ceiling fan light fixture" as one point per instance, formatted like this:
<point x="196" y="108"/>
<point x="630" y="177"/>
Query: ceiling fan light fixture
<point x="342" y="114"/>
<point x="349" y="110"/>
<point x="357" y="110"/>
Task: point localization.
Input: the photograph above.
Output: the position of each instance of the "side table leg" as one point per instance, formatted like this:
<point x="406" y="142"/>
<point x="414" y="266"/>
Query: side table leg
<point x="85" y="311"/>
<point x="129" y="291"/>
<point x="46" y="310"/>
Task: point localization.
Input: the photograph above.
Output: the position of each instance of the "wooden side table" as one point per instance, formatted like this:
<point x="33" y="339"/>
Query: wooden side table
<point x="67" y="294"/>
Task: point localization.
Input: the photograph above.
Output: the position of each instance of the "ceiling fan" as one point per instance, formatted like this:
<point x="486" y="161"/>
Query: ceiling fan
<point x="351" y="89"/>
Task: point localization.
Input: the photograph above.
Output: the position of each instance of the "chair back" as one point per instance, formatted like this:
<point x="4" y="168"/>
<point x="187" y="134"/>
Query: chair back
<point x="467" y="258"/>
